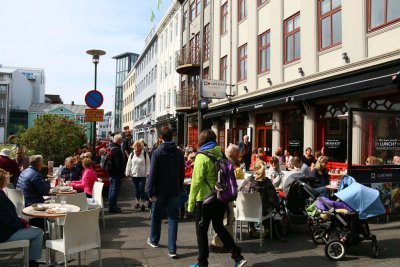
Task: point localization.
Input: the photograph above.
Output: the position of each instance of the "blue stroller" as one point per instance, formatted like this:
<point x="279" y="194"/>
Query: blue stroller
<point x="352" y="228"/>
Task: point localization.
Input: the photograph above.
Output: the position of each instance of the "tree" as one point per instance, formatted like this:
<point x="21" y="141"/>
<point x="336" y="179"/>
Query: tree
<point x="54" y="137"/>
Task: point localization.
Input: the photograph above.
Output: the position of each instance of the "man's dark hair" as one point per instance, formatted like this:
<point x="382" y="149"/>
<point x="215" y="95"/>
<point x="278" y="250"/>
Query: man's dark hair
<point x="166" y="134"/>
<point x="206" y="136"/>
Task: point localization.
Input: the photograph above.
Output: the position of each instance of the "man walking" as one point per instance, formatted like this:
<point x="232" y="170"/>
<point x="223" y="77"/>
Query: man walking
<point x="163" y="187"/>
<point x="116" y="173"/>
<point x="245" y="150"/>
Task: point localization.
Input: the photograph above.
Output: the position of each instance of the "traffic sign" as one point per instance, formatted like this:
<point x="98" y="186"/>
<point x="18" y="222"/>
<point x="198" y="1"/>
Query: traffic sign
<point x="93" y="115"/>
<point x="94" y="99"/>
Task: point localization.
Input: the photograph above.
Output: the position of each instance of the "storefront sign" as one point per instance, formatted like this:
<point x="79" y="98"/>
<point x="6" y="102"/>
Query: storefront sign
<point x="294" y="143"/>
<point x="213" y="89"/>
<point x="258" y="106"/>
<point x="367" y="176"/>
<point x="386" y="143"/>
<point x="332" y="143"/>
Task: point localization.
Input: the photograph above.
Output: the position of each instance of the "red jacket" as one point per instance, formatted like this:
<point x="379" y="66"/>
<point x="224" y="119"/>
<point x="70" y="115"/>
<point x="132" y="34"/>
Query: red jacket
<point x="86" y="183"/>
<point x="10" y="166"/>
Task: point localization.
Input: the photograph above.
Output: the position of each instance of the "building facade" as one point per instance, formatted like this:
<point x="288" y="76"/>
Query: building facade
<point x="291" y="69"/>
<point x="104" y="127"/>
<point x="124" y="63"/>
<point x="128" y="113"/>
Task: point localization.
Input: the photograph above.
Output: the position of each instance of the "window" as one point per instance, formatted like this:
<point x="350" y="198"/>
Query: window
<point x="261" y="2"/>
<point x="264" y="52"/>
<point x="242" y="62"/>
<point x="184" y="20"/>
<point x="292" y="38"/>
<point x="176" y="25"/>
<point x="192" y="11"/>
<point x="223" y="66"/>
<point x="206" y="73"/>
<point x="330" y="23"/>
<point x="206" y="42"/>
<point x="82" y="119"/>
<point x="3" y="118"/>
<point x="382" y="13"/>
<point x="206" y="3"/>
<point x="242" y="10"/>
<point x="198" y="7"/>
<point x="224" y="18"/>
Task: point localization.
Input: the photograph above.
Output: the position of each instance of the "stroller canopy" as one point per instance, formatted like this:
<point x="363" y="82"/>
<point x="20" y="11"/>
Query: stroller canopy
<point x="345" y="182"/>
<point x="364" y="200"/>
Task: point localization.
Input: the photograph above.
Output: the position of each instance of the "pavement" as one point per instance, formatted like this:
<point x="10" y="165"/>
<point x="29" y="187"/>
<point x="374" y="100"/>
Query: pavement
<point x="124" y="245"/>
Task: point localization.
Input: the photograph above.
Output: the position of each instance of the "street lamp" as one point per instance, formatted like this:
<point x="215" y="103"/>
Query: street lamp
<point x="95" y="53"/>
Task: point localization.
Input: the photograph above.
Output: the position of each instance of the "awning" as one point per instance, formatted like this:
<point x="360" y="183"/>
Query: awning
<point x="219" y="113"/>
<point x="365" y="80"/>
<point x="138" y="125"/>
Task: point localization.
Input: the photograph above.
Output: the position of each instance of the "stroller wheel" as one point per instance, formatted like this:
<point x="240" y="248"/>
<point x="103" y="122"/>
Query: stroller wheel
<point x="320" y="236"/>
<point x="335" y="250"/>
<point x="375" y="248"/>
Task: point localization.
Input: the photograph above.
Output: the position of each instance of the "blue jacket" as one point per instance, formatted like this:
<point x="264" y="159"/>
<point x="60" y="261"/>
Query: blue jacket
<point x="33" y="186"/>
<point x="9" y="221"/>
<point x="167" y="170"/>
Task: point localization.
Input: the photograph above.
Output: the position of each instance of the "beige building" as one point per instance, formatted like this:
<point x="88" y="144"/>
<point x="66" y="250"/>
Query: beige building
<point x="293" y="67"/>
<point x="128" y="98"/>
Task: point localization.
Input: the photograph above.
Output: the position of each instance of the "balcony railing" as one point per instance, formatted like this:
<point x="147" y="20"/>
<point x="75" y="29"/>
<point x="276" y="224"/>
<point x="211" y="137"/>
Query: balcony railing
<point x="187" y="99"/>
<point x="188" y="61"/>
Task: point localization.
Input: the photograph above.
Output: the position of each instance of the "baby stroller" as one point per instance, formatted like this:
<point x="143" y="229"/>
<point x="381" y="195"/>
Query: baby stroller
<point x="351" y="228"/>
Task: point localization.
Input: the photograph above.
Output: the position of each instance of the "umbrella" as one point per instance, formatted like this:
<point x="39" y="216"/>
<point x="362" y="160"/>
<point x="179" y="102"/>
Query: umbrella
<point x="364" y="200"/>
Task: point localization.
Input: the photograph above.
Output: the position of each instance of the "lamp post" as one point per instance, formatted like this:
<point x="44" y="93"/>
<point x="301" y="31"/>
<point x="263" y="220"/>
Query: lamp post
<point x="95" y="53"/>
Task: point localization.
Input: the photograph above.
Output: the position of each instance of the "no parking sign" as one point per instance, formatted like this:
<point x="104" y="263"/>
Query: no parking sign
<point x="94" y="99"/>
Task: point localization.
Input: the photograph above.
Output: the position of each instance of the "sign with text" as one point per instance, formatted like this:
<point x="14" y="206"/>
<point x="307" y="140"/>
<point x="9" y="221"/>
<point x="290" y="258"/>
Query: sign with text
<point x="387" y="143"/>
<point x="213" y="89"/>
<point x="294" y="142"/>
<point x="332" y="143"/>
<point x="93" y="115"/>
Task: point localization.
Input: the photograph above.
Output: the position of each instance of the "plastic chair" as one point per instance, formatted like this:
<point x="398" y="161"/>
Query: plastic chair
<point x="81" y="233"/>
<point x="97" y="200"/>
<point x="24" y="244"/>
<point x="17" y="198"/>
<point x="78" y="199"/>
<point x="249" y="209"/>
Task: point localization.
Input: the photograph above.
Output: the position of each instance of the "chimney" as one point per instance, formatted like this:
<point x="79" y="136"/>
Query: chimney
<point x="72" y="103"/>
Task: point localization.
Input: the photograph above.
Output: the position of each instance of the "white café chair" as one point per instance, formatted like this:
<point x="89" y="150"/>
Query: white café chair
<point x="249" y="209"/>
<point x="81" y="233"/>
<point x="78" y="199"/>
<point x="24" y="244"/>
<point x="97" y="199"/>
<point x="17" y="198"/>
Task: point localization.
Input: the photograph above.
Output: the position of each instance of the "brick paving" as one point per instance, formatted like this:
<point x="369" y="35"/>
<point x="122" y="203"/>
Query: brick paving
<point x="124" y="245"/>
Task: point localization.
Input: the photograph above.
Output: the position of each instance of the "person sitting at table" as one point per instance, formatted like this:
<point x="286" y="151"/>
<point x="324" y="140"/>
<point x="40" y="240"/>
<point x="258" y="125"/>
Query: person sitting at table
<point x="20" y="159"/>
<point x="9" y="165"/>
<point x="89" y="177"/>
<point x="70" y="172"/>
<point x="269" y="198"/>
<point x="14" y="228"/>
<point x="320" y="176"/>
<point x="274" y="172"/>
<point x="253" y="158"/>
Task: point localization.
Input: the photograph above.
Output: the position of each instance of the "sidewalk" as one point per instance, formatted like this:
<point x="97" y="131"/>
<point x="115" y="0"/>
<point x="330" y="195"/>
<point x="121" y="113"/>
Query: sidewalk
<point x="124" y="245"/>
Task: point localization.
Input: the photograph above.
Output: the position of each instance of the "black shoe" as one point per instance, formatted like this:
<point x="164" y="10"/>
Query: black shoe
<point x="33" y="263"/>
<point x="143" y="208"/>
<point x="137" y="206"/>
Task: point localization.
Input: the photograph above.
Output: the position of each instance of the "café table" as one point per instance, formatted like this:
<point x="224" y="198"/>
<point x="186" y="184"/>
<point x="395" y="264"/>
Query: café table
<point x="51" y="216"/>
<point x="58" y="191"/>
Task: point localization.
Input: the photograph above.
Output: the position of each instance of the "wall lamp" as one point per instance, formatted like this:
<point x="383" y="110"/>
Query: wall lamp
<point x="269" y="81"/>
<point x="269" y="123"/>
<point x="245" y="88"/>
<point x="289" y="99"/>
<point x="301" y="71"/>
<point x="345" y="57"/>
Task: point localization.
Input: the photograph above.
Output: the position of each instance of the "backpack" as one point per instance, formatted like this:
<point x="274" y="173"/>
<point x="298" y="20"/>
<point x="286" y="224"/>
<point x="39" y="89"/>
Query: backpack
<point x="106" y="162"/>
<point x="226" y="188"/>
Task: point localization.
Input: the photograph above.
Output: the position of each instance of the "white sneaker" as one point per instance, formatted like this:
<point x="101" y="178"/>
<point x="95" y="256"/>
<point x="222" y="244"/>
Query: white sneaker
<point x="151" y="243"/>
<point x="172" y="255"/>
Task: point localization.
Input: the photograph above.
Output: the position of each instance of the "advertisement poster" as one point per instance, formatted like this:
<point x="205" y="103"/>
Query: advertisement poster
<point x="396" y="198"/>
<point x="385" y="190"/>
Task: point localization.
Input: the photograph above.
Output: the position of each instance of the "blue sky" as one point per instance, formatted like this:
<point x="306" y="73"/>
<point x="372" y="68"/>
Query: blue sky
<point x="55" y="34"/>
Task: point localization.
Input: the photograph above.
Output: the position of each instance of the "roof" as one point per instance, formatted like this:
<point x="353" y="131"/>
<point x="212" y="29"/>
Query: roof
<point x="54" y="99"/>
<point x="46" y="107"/>
<point x="124" y="55"/>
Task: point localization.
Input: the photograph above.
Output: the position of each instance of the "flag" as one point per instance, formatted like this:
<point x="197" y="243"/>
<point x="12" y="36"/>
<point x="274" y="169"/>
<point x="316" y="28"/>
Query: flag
<point x="159" y="3"/>
<point x="152" y="17"/>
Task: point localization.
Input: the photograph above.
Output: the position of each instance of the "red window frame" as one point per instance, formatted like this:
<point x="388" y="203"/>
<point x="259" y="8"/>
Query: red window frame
<point x="223" y="67"/>
<point x="261" y="2"/>
<point x="286" y="35"/>
<point x="206" y="42"/>
<point x="224" y="18"/>
<point x="321" y="17"/>
<point x="240" y="15"/>
<point x="240" y="60"/>
<point x="262" y="47"/>
<point x="386" y="22"/>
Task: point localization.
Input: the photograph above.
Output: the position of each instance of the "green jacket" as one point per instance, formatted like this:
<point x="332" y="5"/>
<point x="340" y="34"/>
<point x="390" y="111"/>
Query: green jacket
<point x="203" y="169"/>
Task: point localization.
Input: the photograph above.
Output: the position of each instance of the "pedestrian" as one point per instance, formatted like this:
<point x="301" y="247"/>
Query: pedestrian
<point x="163" y="187"/>
<point x="21" y="160"/>
<point x="9" y="165"/>
<point x="126" y="147"/>
<point x="137" y="168"/>
<point x="203" y="173"/>
<point x="116" y="173"/>
<point x="245" y="150"/>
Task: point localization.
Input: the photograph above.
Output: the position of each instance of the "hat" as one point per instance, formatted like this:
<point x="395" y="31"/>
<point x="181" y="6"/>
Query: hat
<point x="5" y="152"/>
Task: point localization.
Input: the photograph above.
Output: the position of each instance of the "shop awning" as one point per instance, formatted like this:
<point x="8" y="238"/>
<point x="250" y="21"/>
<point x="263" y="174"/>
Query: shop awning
<point x="218" y="113"/>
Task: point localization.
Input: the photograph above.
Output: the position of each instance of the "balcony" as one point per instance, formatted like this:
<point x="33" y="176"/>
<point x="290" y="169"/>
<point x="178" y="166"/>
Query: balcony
<point x="188" y="61"/>
<point x="187" y="99"/>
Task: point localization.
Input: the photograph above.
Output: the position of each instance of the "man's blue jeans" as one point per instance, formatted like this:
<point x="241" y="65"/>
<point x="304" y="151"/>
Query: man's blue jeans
<point x="115" y="186"/>
<point x="169" y="204"/>
<point x="35" y="237"/>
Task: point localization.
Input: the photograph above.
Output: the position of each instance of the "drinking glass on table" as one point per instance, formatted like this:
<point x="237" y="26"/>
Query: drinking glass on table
<point x="52" y="200"/>
<point x="63" y="201"/>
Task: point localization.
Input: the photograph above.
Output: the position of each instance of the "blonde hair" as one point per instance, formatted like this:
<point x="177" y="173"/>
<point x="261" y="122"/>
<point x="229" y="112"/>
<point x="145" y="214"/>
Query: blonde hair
<point x="138" y="144"/>
<point x="86" y="163"/>
<point x="69" y="159"/>
<point x="4" y="178"/>
<point x="319" y="160"/>
<point x="259" y="170"/>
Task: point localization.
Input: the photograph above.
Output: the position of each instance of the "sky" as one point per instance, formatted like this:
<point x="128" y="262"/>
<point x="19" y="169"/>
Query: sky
<point x="55" y="35"/>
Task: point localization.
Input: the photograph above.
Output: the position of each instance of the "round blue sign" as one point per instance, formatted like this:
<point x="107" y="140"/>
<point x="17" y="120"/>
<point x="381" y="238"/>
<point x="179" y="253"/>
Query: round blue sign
<point x="94" y="99"/>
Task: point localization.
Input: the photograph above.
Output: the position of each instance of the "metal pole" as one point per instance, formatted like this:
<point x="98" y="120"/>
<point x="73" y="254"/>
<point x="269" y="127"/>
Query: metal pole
<point x="94" y="123"/>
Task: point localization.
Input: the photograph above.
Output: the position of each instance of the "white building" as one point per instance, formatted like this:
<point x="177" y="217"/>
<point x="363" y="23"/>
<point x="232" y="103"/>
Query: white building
<point x="103" y="128"/>
<point x="128" y="96"/>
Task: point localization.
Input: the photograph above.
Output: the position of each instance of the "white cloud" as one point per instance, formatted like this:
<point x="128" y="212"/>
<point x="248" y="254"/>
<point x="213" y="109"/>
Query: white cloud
<point x="55" y="34"/>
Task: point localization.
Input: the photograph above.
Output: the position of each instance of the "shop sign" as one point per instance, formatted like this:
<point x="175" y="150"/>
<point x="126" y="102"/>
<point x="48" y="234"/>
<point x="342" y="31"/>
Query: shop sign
<point x="294" y="142"/>
<point x="387" y="143"/>
<point x="213" y="89"/>
<point x="332" y="143"/>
